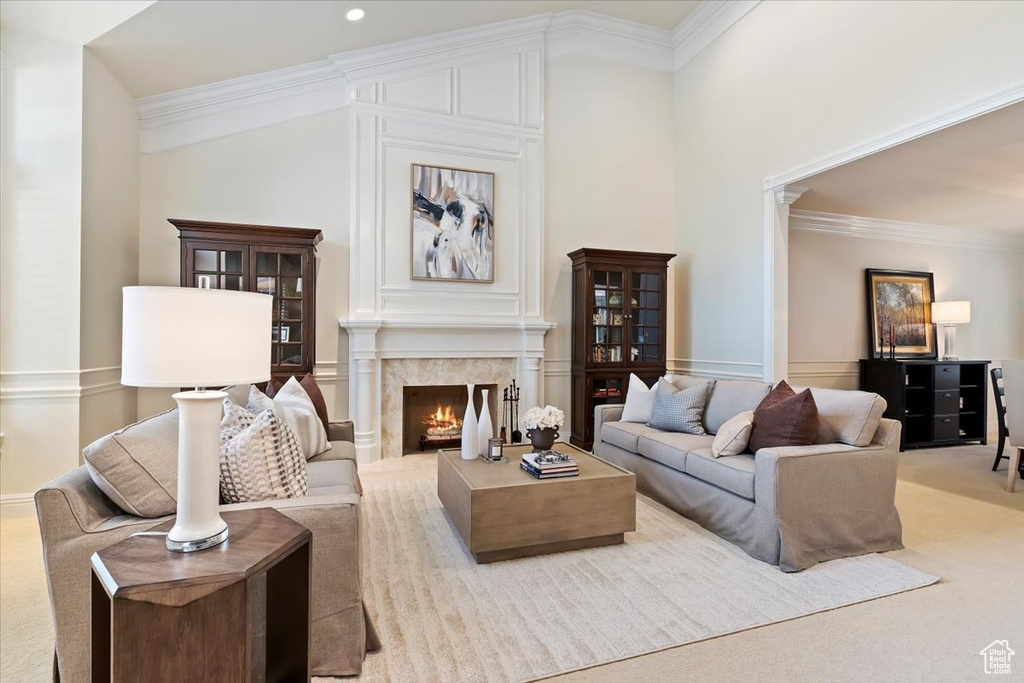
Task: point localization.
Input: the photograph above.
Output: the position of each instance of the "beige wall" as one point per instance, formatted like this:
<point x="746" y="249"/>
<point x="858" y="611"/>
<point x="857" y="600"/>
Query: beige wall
<point x="291" y="174"/>
<point x="608" y="181"/>
<point x="40" y="228"/>
<point x="792" y="83"/>
<point x="828" y="309"/>
<point x="110" y="245"/>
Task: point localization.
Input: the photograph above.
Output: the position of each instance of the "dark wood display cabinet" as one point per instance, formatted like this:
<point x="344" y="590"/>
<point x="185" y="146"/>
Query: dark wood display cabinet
<point x="939" y="403"/>
<point x="276" y="261"/>
<point x="619" y="326"/>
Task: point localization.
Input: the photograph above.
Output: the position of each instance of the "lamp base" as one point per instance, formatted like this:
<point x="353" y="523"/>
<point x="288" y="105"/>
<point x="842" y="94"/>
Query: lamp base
<point x="198" y="544"/>
<point x="951" y="358"/>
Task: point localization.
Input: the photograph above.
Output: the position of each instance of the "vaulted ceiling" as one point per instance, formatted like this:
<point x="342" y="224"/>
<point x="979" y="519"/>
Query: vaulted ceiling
<point x="177" y="44"/>
<point x="970" y="175"/>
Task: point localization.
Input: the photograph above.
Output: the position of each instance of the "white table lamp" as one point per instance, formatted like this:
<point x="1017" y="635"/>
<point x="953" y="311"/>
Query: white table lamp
<point x="185" y="337"/>
<point x="949" y="314"/>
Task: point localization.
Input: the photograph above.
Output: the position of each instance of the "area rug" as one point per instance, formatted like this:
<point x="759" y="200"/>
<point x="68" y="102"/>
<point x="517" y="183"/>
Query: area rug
<point x="441" y="617"/>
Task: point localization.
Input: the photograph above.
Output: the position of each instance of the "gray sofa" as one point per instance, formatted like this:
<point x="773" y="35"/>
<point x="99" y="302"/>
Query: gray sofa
<point x="76" y="519"/>
<point x="793" y="506"/>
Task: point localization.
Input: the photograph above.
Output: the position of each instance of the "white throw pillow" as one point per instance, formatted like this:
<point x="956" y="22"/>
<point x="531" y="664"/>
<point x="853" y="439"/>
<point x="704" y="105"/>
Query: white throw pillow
<point x="263" y="462"/>
<point x="639" y="401"/>
<point x="733" y="436"/>
<point x="292" y="405"/>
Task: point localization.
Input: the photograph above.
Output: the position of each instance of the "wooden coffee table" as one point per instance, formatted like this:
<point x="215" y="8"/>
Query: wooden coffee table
<point x="501" y="512"/>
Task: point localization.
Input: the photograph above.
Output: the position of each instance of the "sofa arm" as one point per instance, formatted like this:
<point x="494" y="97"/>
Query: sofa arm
<point x="605" y="413"/>
<point x="342" y="430"/>
<point x="830" y="500"/>
<point x="341" y="630"/>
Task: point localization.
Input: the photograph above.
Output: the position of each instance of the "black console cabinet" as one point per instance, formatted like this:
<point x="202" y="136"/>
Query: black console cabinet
<point x="939" y="403"/>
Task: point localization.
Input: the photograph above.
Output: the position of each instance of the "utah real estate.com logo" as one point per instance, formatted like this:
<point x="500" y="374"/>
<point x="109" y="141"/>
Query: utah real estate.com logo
<point x="997" y="657"/>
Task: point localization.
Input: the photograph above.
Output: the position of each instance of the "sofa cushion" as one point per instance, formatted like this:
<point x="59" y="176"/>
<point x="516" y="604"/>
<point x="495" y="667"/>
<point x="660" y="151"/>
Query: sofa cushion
<point x="624" y="434"/>
<point x="784" y="418"/>
<point x="340" y="450"/>
<point x="137" y="466"/>
<point x="670" y="448"/>
<point x="680" y="411"/>
<point x="729" y="398"/>
<point x="734" y="473"/>
<point x="732" y="438"/>
<point x="332" y="476"/>
<point x="849" y="417"/>
<point x="264" y="461"/>
<point x="639" y="401"/>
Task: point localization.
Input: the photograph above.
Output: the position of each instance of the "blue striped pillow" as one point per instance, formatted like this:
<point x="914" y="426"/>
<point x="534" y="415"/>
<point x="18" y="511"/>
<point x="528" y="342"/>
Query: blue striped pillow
<point x="680" y="411"/>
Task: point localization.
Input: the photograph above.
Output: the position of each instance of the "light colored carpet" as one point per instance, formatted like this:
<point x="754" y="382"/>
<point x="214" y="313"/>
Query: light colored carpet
<point x="441" y="617"/>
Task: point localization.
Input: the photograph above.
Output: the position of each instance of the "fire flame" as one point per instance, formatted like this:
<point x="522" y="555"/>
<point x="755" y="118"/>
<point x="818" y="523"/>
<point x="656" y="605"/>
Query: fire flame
<point x="442" y="421"/>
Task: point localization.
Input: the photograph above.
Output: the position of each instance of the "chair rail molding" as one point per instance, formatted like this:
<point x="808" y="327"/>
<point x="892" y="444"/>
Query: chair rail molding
<point x="775" y="317"/>
<point x="902" y="231"/>
<point x="723" y="369"/>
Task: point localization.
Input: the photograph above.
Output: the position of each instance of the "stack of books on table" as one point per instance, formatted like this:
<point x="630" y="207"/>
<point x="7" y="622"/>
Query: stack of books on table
<point x="535" y="464"/>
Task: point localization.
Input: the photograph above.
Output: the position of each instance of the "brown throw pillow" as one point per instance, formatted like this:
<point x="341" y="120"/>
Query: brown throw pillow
<point x="317" y="397"/>
<point x="273" y="386"/>
<point x="784" y="418"/>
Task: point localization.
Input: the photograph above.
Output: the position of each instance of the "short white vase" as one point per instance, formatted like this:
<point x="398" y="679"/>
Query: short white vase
<point x="484" y="429"/>
<point x="469" y="428"/>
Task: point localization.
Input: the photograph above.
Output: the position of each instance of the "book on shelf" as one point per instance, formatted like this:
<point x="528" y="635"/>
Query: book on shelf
<point x="548" y="475"/>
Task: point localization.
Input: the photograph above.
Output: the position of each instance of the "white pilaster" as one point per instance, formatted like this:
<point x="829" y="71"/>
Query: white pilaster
<point x="364" y="394"/>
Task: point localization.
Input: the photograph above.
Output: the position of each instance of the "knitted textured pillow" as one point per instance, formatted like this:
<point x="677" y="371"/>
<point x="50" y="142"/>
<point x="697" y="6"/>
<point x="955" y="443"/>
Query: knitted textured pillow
<point x="680" y="411"/>
<point x="263" y="462"/>
<point x="236" y="418"/>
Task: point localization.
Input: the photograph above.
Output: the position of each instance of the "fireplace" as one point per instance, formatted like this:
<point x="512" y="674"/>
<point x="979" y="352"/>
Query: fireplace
<point x="432" y="415"/>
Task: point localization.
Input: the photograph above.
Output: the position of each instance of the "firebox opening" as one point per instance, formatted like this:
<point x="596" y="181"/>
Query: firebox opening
<point x="432" y="415"/>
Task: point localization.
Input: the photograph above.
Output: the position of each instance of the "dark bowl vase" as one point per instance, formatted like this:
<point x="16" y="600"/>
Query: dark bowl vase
<point x="542" y="439"/>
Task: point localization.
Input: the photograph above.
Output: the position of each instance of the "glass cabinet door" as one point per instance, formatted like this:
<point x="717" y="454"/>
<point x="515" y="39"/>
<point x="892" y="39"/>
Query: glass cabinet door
<point x="217" y="266"/>
<point x="647" y="329"/>
<point x="609" y="316"/>
<point x="279" y="273"/>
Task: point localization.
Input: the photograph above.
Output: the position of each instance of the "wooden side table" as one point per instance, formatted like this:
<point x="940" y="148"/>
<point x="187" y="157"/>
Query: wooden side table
<point x="164" y="616"/>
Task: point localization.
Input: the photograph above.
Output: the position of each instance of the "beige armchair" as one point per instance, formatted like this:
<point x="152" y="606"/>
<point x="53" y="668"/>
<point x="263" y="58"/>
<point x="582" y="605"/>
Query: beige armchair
<point x="76" y="519"/>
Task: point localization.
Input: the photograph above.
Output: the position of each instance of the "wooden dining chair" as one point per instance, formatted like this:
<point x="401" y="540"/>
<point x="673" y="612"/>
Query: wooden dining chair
<point x="1000" y="391"/>
<point x="1013" y="376"/>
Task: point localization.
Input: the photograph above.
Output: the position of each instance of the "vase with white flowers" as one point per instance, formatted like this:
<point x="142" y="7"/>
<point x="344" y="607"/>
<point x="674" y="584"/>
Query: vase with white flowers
<point x="542" y="426"/>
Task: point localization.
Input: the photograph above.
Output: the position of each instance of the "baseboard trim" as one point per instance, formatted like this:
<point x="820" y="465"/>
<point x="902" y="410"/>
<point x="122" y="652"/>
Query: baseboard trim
<point x="17" y="506"/>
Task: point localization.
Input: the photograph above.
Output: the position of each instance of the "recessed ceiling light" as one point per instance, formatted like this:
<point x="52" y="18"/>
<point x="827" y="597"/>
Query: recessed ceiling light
<point x="355" y="14"/>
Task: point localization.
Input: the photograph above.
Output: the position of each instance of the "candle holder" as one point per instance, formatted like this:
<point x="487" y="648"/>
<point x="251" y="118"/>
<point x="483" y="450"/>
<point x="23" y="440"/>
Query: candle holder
<point x="495" y="451"/>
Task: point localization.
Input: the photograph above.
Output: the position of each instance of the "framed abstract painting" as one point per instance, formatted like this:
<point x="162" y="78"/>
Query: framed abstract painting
<point x="452" y="224"/>
<point x="900" y="313"/>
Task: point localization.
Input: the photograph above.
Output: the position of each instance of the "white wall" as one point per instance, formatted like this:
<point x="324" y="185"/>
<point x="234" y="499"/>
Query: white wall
<point x="39" y="261"/>
<point x="609" y="178"/>
<point x="110" y="245"/>
<point x="791" y="83"/>
<point x="291" y="174"/>
<point x="828" y="307"/>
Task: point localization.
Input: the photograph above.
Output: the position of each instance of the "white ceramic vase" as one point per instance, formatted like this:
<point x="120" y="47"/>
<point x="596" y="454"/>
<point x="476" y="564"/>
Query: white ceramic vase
<point x="484" y="429"/>
<point x="469" y="428"/>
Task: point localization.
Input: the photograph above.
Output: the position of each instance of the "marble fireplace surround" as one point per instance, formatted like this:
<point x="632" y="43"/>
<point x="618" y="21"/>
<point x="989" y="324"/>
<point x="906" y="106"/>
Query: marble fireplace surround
<point x="398" y="373"/>
<point x="386" y="355"/>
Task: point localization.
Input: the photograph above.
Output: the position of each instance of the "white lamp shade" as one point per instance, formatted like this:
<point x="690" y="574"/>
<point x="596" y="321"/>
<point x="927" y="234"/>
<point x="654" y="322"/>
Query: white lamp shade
<point x="951" y="312"/>
<point x="186" y="337"/>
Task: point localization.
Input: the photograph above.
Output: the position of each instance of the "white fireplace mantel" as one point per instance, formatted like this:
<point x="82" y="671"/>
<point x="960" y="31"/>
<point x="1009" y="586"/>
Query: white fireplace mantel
<point x="374" y="341"/>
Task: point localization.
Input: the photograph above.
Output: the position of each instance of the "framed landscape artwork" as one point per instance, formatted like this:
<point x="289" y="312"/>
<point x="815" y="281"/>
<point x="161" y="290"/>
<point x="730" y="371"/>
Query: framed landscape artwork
<point x="900" y="313"/>
<point x="452" y="224"/>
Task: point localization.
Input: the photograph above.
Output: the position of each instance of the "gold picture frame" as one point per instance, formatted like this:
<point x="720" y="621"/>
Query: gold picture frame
<point x="900" y="313"/>
<point x="451" y="224"/>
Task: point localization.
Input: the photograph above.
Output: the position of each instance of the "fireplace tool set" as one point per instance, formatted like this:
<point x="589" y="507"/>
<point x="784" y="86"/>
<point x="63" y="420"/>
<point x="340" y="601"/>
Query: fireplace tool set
<point x="510" y="414"/>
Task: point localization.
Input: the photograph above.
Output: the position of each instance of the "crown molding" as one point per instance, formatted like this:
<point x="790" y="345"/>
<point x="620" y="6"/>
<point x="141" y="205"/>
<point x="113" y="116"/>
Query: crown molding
<point x="205" y="112"/>
<point x="901" y="231"/>
<point x="703" y="25"/>
<point x="236" y="105"/>
<point x="359" y="65"/>
<point x="585" y="33"/>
